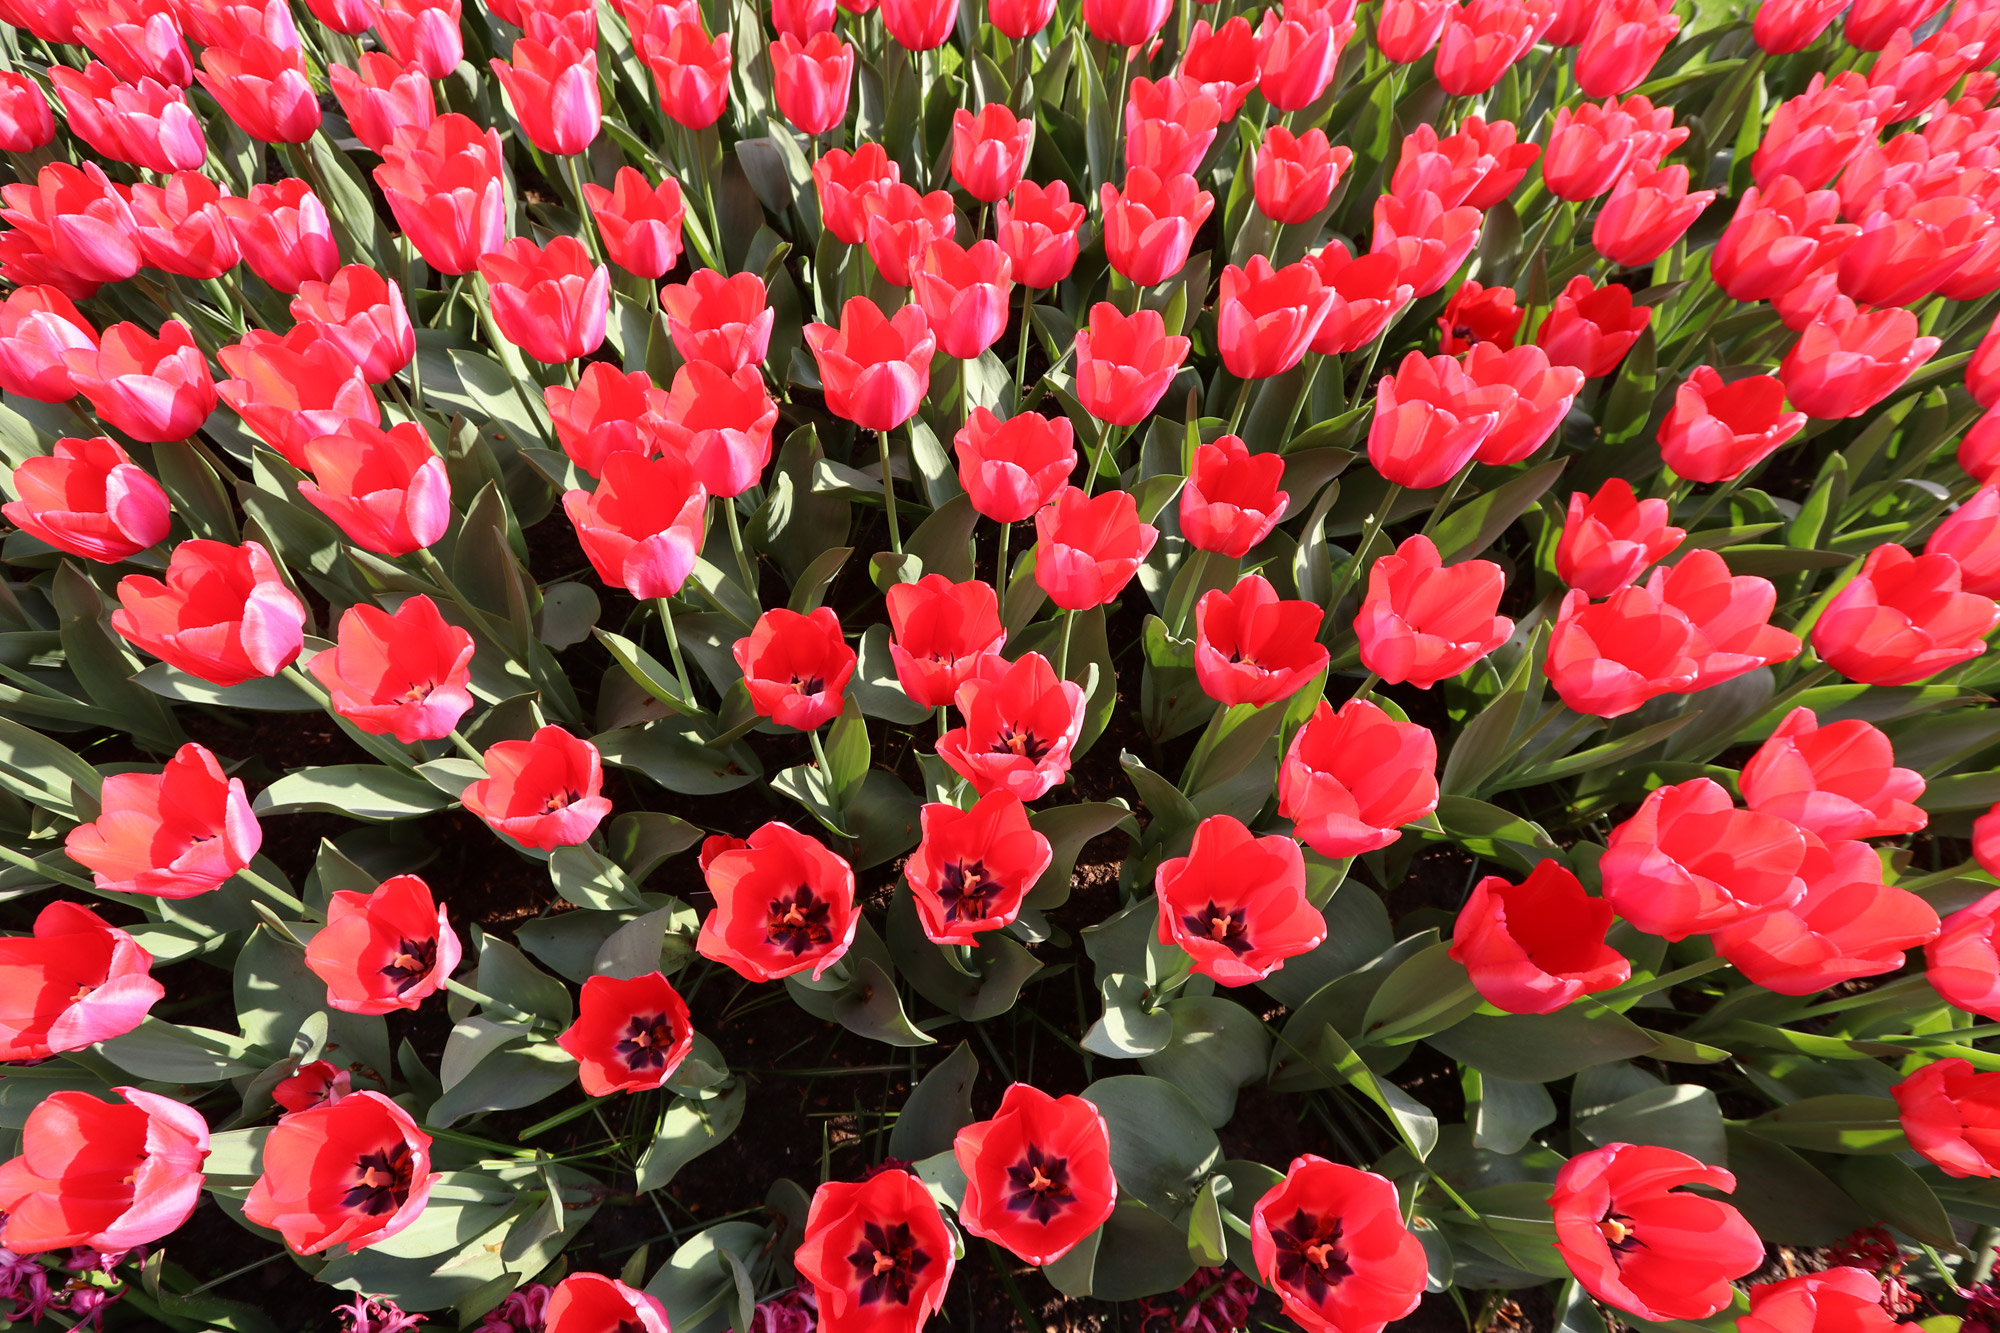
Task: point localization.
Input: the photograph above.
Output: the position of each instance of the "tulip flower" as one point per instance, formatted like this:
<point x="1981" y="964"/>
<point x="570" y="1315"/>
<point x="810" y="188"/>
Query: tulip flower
<point x="145" y="123"/>
<point x="387" y="491"/>
<point x="1971" y="536"/>
<point x="1481" y="40"/>
<point x="1848" y="924"/>
<point x="1019" y="725"/>
<point x="223" y="614"/>
<point x="941" y="635"/>
<point x="1533" y="947"/>
<point x="1476" y="315"/>
<point x="1038" y="1175"/>
<point x="608" y="412"/>
<point x="721" y="424"/>
<point x="1848" y="360"/>
<point x="1592" y="327"/>
<point x="1949" y="1113"/>
<point x="406" y="675"/>
<point x="1231" y="501"/>
<point x="989" y="151"/>
<point x="899" y="226"/>
<point x="1353" y="778"/>
<point x="1126" y="23"/>
<point x="643" y="526"/>
<point x="181" y="228"/>
<point x="89" y="499"/>
<point x="1963" y="966"/>
<point x="1479" y="165"/>
<point x="38" y="325"/>
<point x="1408" y="29"/>
<point x="183" y="831"/>
<point x="974" y="867"/>
<point x="1813" y="135"/>
<point x="802" y="19"/>
<point x="1609" y="538"/>
<point x="1609" y="1200"/>
<point x="1790" y="26"/>
<point x="295" y="389"/>
<point x="384" y="950"/>
<point x="1087" y="548"/>
<point x="891" y="1222"/>
<point x="1430" y="419"/>
<point x="1838" y="781"/>
<point x="589" y="1302"/>
<point x="630" y="1034"/>
<point x="1871" y="24"/>
<point x="1593" y="147"/>
<point x="1979" y="450"/>
<point x="1150" y="224"/>
<point x="1778" y="237"/>
<point x="1124" y="363"/>
<point x="264" y="90"/>
<point x="1038" y="228"/>
<point x="1368" y="293"/>
<point x="641" y="224"/>
<point x="384" y="97"/>
<point x="876" y="370"/>
<point x="784" y="903"/>
<point x="1019" y="19"/>
<point x="1236" y="903"/>
<point x="1649" y="209"/>
<point x="844" y="181"/>
<point x="152" y="388"/>
<point x="1901" y="259"/>
<point x="1730" y="617"/>
<point x="545" y="792"/>
<point x="1903" y="619"/>
<point x="1253" y="648"/>
<point x="796" y="667"/>
<point x="811" y="80"/>
<point x="550" y="301"/>
<point x="1266" y="318"/>
<point x="1717" y="432"/>
<point x="26" y="123"/>
<point x="1299" y="58"/>
<point x="1423" y="621"/>
<point x="1295" y="174"/>
<point x="919" y="25"/>
<point x="552" y="89"/>
<point x="725" y="320"/>
<point x="100" y="1174"/>
<point x="353" y="1172"/>
<point x="1012" y="468"/>
<point x="964" y="294"/>
<point x="73" y="982"/>
<point x="1428" y="240"/>
<point x="1982" y="373"/>
<point x="362" y="313"/>
<point x="1844" y="1298"/>
<point x="1625" y="41"/>
<point x="1223" y="59"/>
<point x="1607" y="658"/>
<point x="1688" y="862"/>
<point x="1331" y="1241"/>
<point x="1541" y="398"/>
<point x="445" y="188"/>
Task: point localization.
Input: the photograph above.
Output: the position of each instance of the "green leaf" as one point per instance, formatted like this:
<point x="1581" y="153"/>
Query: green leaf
<point x="267" y="694"/>
<point x="1161" y="1146"/>
<point x="937" y="1108"/>
<point x="874" y="685"/>
<point x="1069" y="828"/>
<point x="1890" y="1189"/>
<point x="1426" y="994"/>
<point x="1837" y="1123"/>
<point x="171" y="1053"/>
<point x="1680" y="1116"/>
<point x="1217" y="1047"/>
<point x="505" y="1080"/>
<point x="1785" y="1197"/>
<point x="697" y="1281"/>
<point x="1507" y="1113"/>
<point x="675" y="754"/>
<point x="1478" y="523"/>
<point x="689" y="1127"/>
<point x="866" y="1003"/>
<point x="358" y="791"/>
<point x="810" y="590"/>
<point x="1140" y="1252"/>
<point x="1541" y="1048"/>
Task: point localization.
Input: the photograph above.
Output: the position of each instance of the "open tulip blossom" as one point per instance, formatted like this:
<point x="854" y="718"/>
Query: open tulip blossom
<point x="858" y="666"/>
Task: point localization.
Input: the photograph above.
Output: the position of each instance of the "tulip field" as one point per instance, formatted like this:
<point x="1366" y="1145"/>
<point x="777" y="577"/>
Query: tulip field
<point x="1103" y="666"/>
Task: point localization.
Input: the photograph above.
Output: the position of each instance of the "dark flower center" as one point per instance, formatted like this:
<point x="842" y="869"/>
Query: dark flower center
<point x="808" y="684"/>
<point x="968" y="891"/>
<point x="413" y="962"/>
<point x="647" y="1041"/>
<point x="887" y="1262"/>
<point x="1618" y="1233"/>
<point x="557" y="800"/>
<point x="1219" y="926"/>
<point x="798" y="921"/>
<point x="1038" y="1185"/>
<point x="381" y="1181"/>
<point x="417" y="693"/>
<point x="1020" y="741"/>
<point x="1310" y="1255"/>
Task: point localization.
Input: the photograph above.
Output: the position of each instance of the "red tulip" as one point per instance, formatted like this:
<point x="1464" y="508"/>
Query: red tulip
<point x="384" y="97"/>
<point x="264" y="90"/>
<point x="1778" y="237"/>
<point x="1592" y="327"/>
<point x="1368" y="293"/>
<point x="783" y="903"/>
<point x="608" y="412"/>
<point x="1688" y="862"/>
<point x="546" y="792"/>
<point x="1266" y="318"/>
<point x="1038" y="230"/>
<point x="1608" y="539"/>
<point x="803" y="19"/>
<point x="1408" y="29"/>
<point x="878" y="1254"/>
<point x="796" y="667"/>
<point x="1331" y="1241"/>
<point x="362" y="313"/>
<point x="1610" y="1200"/>
<point x="1649" y="209"/>
<point x="224" y="613"/>
<point x="1919" y="73"/>
<point x="152" y="388"/>
<point x="181" y="229"/>
<point x="295" y="389"/>
<point x="352" y="1172"/>
<point x="629" y="1035"/>
<point x="1790" y="26"/>
<point x="1979" y="450"/>
<point x="317" y="1082"/>
<point x="406" y="675"/>
<point x="1982" y="373"/>
<point x="38" y="326"/>
<point x="1353" y="778"/>
<point x="145" y="123"/>
<point x="1253" y="648"/>
<point x="1299" y="58"/>
<point x="1295" y="174"/>
<point x="720" y="422"/>
<point x="1231" y="501"/>
<point x="1962" y="962"/>
<point x="1483" y="39"/>
<point x="643" y="526"/>
<point x="1124" y="363"/>
<point x="72" y="228"/>
<point x="1730" y="617"/>
<point x="900" y="225"/>
<point x="1903" y="619"/>
<point x="26" y="123"/>
<point x="964" y="294"/>
<point x="385" y="950"/>
<point x="1592" y="147"/>
<point x="100" y="1174"/>
<point x="1902" y="258"/>
<point x="811" y="80"/>
<point x="1430" y="419"/>
<point x="1422" y="621"/>
<point x="989" y="151"/>
<point x="553" y="91"/>
<point x="1872" y="23"/>
<point x="1018" y="726"/>
<point x="1224" y="60"/>
<point x="1012" y="468"/>
<point x="919" y="25"/>
<point x="1480" y="165"/>
<point x="89" y="499"/>
<point x="973" y="867"/>
<point x="1717" y="432"/>
<point x="1848" y="360"/>
<point x="876" y="370"/>
<point x="1533" y="947"/>
<point x="593" y="1303"/>
<point x="1812" y="136"/>
<point x="1020" y="19"/>
<point x="1149" y="226"/>
<point x="641" y="225"/>
<point x="1625" y="41"/>
<point x="1971" y="536"/>
<point x="1608" y="658"/>
<point x="1125" y="23"/>
<point x="74" y="982"/>
<point x="1236" y="903"/>
<point x="550" y="301"/>
<point x="1838" y="781"/>
<point x="445" y="187"/>
<point x="1428" y="240"/>
<point x="1834" y="1300"/>
<point x="1037" y="1175"/>
<point x="183" y="831"/>
<point x="424" y="33"/>
<point x="1476" y="315"/>
<point x="386" y="490"/>
<point x="724" y="320"/>
<point x="1848" y="924"/>
<point x="1951" y="1114"/>
<point x="943" y="634"/>
<point x="844" y="181"/>
<point x="1087" y="548"/>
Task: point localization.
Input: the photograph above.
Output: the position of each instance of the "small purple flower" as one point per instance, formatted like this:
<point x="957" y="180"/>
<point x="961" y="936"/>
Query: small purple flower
<point x="366" y="1314"/>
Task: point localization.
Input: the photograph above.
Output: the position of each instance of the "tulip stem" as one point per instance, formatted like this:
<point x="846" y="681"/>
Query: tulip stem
<point x="1798" y="687"/>
<point x="485" y="1001"/>
<point x="666" y="606"/>
<point x="573" y="168"/>
<point x="1450" y="494"/>
<point x="29" y="863"/>
<point x="466" y="747"/>
<point x="1371" y="529"/>
<point x="1242" y="405"/>
<point x="1299" y="401"/>
<point x="483" y="306"/>
<point x="943" y="722"/>
<point x="1097" y="463"/>
<point x="1367" y="687"/>
<point x="271" y="891"/>
<point x="1062" y="653"/>
<point x="743" y="562"/>
<point x="889" y="493"/>
<point x="1000" y="568"/>
<point x="480" y="620"/>
<point x="1021" y="351"/>
<point x="1633" y="990"/>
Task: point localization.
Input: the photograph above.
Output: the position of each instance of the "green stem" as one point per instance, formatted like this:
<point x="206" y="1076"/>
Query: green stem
<point x="1300" y="399"/>
<point x="889" y="493"/>
<point x="1367" y="687"/>
<point x="1242" y="404"/>
<point x="386" y="750"/>
<point x="485" y="1001"/>
<point x="29" y="863"/>
<point x="1062" y="653"/>
<point x="666" y="606"/>
<point x="1359" y="564"/>
<point x="1000" y="569"/>
<point x="744" y="565"/>
<point x="819" y="759"/>
<point x="1665" y="981"/>
<point x="272" y="891"/>
<point x="1027" y="336"/>
<point x="1444" y="500"/>
<point x="587" y="223"/>
<point x="466" y="747"/>
<point x="1097" y="462"/>
<point x="483" y="303"/>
